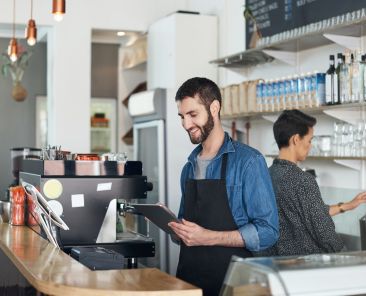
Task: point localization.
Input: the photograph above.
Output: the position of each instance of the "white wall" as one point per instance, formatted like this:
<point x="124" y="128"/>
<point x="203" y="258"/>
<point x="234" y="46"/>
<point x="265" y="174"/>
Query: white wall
<point x="69" y="50"/>
<point x="231" y="30"/>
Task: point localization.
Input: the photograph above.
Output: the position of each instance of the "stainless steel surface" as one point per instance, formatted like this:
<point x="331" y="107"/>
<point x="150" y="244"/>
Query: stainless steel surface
<point x="74" y="167"/>
<point x="5" y="207"/>
<point x="363" y="232"/>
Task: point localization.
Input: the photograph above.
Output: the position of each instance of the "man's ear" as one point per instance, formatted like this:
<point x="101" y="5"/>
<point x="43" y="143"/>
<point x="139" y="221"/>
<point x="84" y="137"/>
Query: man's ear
<point x="215" y="108"/>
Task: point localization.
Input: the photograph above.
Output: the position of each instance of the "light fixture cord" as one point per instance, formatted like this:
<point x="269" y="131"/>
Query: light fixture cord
<point x="31" y="9"/>
<point x="13" y="18"/>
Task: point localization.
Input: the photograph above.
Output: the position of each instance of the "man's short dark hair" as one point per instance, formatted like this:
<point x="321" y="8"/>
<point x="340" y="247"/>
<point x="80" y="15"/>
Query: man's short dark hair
<point x="204" y="88"/>
<point x="289" y="123"/>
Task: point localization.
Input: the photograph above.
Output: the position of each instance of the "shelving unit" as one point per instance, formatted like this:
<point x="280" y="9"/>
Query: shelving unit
<point x="350" y="35"/>
<point x="347" y="35"/>
<point x="330" y="157"/>
<point x="352" y="162"/>
<point x="345" y="112"/>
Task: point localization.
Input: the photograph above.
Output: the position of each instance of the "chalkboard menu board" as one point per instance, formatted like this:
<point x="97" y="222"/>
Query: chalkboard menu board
<point x="278" y="16"/>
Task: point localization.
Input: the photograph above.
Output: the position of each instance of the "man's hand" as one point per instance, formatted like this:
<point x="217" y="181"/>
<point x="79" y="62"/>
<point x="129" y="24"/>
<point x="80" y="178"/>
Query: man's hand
<point x="192" y="234"/>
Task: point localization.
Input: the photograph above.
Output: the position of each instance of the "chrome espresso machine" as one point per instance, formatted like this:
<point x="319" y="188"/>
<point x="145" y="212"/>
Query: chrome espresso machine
<point x="84" y="194"/>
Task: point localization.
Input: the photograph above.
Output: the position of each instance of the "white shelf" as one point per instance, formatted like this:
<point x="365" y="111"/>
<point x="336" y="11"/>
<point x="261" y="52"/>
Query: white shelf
<point x="345" y="112"/>
<point x="353" y="162"/>
<point x="347" y="35"/>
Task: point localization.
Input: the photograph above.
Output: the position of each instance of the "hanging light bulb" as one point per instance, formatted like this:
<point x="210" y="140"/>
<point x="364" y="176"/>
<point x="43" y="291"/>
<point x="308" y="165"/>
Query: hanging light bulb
<point x="13" y="44"/>
<point x="13" y="49"/>
<point x="31" y="33"/>
<point x="58" y="9"/>
<point x="31" y="29"/>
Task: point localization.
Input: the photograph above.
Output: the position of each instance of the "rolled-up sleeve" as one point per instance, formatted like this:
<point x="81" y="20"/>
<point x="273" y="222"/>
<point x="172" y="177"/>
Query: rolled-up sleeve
<point x="262" y="229"/>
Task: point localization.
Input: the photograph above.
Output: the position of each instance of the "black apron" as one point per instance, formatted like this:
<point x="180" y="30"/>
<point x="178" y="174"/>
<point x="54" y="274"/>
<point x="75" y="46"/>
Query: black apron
<point x="206" y="203"/>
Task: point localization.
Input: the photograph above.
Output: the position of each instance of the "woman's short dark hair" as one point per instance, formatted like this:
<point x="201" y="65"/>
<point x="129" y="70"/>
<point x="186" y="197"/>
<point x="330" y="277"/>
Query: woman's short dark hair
<point x="206" y="89"/>
<point x="289" y="123"/>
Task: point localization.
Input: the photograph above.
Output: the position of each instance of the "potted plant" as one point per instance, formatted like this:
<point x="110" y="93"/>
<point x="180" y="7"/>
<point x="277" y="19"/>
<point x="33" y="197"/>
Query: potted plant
<point x="16" y="70"/>
<point x="248" y="15"/>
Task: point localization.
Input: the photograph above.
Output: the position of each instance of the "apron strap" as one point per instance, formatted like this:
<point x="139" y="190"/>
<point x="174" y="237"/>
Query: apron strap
<point x="223" y="166"/>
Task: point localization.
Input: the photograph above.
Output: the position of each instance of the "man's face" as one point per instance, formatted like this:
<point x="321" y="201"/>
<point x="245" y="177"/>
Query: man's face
<point x="196" y="120"/>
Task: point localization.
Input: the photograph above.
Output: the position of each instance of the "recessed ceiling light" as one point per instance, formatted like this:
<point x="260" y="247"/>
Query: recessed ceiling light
<point x="121" y="33"/>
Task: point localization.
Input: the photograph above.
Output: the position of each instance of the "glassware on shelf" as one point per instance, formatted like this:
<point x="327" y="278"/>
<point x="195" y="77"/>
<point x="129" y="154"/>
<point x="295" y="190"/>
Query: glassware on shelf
<point x="349" y="140"/>
<point x="324" y="143"/>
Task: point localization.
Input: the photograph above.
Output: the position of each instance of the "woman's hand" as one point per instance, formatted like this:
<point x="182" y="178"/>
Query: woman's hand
<point x="354" y="203"/>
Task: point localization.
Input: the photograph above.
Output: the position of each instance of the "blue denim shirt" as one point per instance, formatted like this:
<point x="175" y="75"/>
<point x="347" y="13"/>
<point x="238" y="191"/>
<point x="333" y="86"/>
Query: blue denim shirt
<point x="250" y="193"/>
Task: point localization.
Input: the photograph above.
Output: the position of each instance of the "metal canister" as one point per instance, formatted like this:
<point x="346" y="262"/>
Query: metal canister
<point x="17" y="208"/>
<point x="363" y="232"/>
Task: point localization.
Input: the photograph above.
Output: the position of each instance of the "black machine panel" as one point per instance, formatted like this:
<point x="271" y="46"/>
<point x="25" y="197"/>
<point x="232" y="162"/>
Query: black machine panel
<point x="85" y="220"/>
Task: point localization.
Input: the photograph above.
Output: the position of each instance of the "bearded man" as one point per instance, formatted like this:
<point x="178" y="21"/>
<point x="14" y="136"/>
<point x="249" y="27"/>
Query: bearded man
<point x="228" y="205"/>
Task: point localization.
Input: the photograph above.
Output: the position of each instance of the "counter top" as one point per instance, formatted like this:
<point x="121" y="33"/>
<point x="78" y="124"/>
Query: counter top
<point x="53" y="272"/>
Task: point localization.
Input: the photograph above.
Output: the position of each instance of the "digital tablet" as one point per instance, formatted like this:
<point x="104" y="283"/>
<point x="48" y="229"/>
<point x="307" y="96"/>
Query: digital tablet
<point x="159" y="214"/>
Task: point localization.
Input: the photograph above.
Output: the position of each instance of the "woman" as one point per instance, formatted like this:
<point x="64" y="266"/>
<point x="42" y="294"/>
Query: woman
<point x="306" y="226"/>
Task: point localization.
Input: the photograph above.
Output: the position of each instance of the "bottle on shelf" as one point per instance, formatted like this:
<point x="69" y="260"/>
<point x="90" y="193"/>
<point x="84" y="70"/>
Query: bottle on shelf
<point x="317" y="89"/>
<point x="259" y="96"/>
<point x="276" y="96"/>
<point x="295" y="91"/>
<point x="356" y="77"/>
<point x="330" y="82"/>
<point x="308" y="90"/>
<point x="270" y="96"/>
<point x="339" y="79"/>
<point x="281" y="93"/>
<point x="264" y="96"/>
<point x="288" y="94"/>
<point x="301" y="91"/>
<point x="347" y="78"/>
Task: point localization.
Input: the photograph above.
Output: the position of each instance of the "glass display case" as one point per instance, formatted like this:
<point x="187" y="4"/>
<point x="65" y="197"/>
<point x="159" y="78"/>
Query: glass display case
<point x="321" y="274"/>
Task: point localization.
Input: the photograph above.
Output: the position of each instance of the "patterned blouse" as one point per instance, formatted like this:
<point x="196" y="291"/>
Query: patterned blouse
<point x="305" y="224"/>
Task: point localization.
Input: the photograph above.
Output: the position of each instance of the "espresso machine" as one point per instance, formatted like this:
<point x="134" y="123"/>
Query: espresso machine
<point x="84" y="194"/>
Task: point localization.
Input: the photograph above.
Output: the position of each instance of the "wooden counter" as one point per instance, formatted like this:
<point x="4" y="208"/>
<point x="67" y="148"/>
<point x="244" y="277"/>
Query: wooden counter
<point x="53" y="272"/>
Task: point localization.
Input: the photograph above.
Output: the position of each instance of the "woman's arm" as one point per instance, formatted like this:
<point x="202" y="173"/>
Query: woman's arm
<point x="348" y="206"/>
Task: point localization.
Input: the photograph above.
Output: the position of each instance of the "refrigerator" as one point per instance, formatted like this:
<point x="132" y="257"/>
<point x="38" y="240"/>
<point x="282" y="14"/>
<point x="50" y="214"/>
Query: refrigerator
<point x="148" y="112"/>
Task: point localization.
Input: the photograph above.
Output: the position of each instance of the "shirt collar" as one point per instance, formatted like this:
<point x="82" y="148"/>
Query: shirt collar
<point x="226" y="147"/>
<point x="284" y="162"/>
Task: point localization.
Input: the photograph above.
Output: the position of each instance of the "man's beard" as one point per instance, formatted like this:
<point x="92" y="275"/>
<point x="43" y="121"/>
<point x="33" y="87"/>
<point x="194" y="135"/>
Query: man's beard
<point x="205" y="130"/>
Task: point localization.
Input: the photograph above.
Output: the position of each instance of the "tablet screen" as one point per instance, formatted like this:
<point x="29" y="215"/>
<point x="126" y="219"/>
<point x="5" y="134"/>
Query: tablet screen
<point x="159" y="214"/>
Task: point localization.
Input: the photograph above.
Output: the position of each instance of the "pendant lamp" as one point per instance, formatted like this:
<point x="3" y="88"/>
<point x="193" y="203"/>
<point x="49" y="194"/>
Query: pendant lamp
<point x="31" y="29"/>
<point x="13" y="44"/>
<point x="58" y="9"/>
